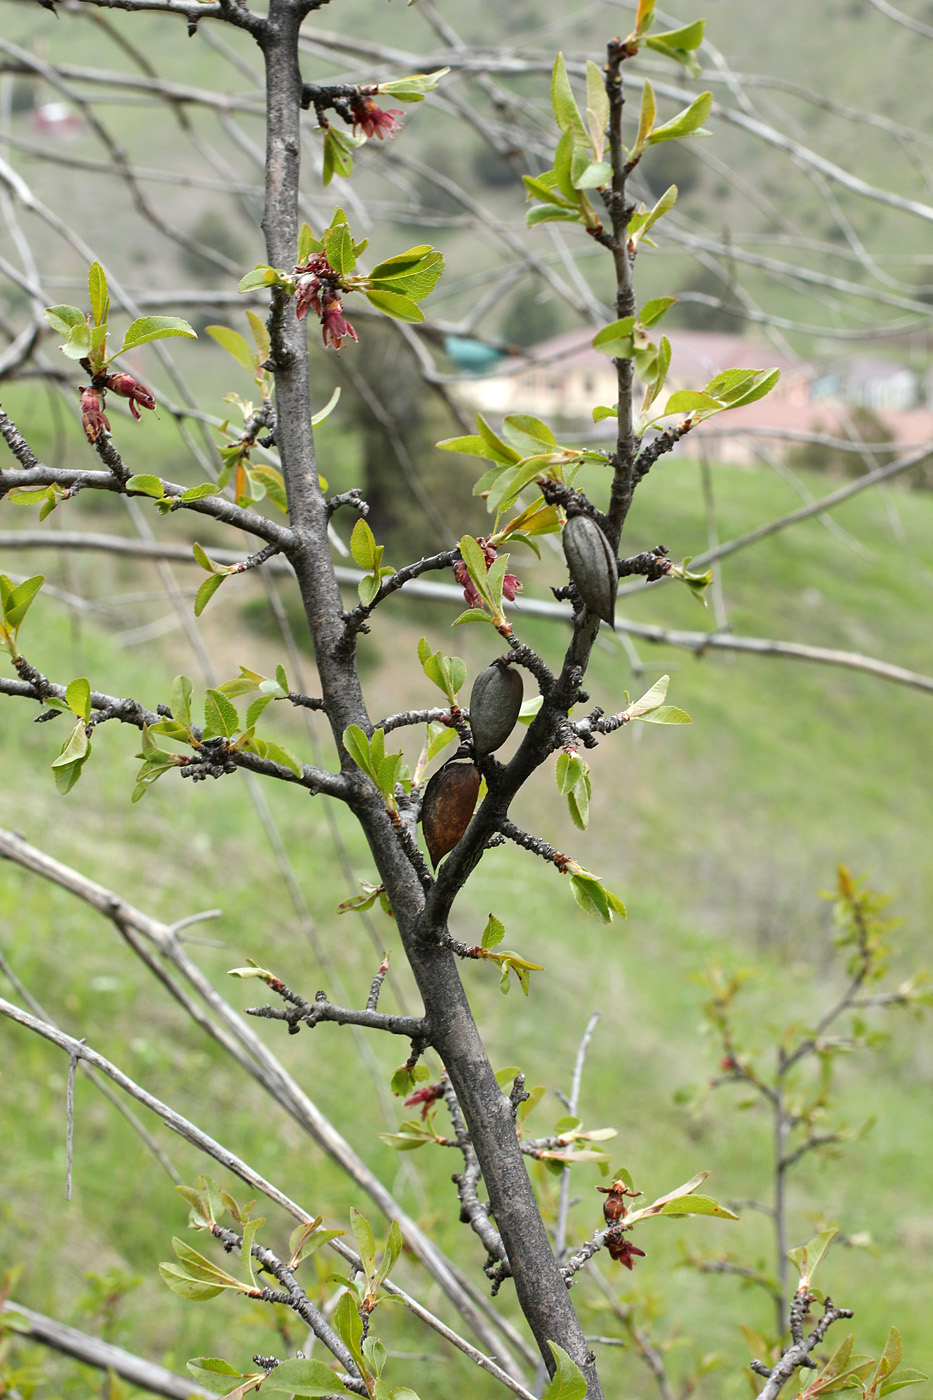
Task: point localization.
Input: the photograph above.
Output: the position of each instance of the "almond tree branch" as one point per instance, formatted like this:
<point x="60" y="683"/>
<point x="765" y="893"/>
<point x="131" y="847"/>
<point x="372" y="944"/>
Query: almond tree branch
<point x="91" y="1351"/>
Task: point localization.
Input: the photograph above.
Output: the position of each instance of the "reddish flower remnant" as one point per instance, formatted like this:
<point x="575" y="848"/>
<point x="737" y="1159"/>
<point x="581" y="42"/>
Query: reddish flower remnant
<point x="511" y="583"/>
<point x="624" y="1251"/>
<point x="372" y="120"/>
<point x="317" y="289"/>
<point x="336" y="326"/>
<point x="426" y="1096"/>
<point x="130" y="388"/>
<point x="311" y="276"/>
<point x="93" y="418"/>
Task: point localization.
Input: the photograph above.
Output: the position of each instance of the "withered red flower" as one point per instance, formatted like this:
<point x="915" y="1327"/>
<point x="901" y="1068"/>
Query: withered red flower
<point x="373" y="120"/>
<point x="336" y="326"/>
<point x="425" y="1096"/>
<point x="511" y="583"/>
<point x="625" y="1252"/>
<point x="130" y="388"/>
<point x="311" y="276"/>
<point x="93" y="418"/>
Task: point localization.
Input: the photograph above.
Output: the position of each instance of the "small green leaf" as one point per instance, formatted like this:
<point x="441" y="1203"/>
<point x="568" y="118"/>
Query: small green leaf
<point x="220" y="716"/>
<point x="78" y="698"/>
<point x="97" y="292"/>
<point x="568" y="1381"/>
<point x="147" y="486"/>
<point x="566" y="112"/>
<point x="689" y="122"/>
<point x="235" y="345"/>
<point x="303" y="1376"/>
<point x="147" y="328"/>
<point x="413" y="87"/>
<point x="400" y="308"/>
<point x="206" y="592"/>
<point x="363" y="545"/>
<point x="263" y="276"/>
<point x="616" y="339"/>
<point x="493" y="933"/>
<point x="76" y="747"/>
<point x="17" y="600"/>
<point x="192" y="1290"/>
<point x="365" y="1241"/>
<point x="64" y="318"/>
<point x="277" y="754"/>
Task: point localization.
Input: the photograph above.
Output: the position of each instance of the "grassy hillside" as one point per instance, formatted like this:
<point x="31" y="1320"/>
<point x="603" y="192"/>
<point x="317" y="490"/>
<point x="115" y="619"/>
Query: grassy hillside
<point x="717" y="836"/>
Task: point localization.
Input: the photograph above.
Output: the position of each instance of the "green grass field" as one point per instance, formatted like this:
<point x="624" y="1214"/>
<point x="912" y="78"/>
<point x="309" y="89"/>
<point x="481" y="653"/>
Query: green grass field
<point x="717" y="836"/>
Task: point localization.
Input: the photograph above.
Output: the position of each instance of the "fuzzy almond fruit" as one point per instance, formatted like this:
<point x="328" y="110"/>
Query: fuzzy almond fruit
<point x="593" y="566"/>
<point x="495" y="701"/>
<point x="449" y="800"/>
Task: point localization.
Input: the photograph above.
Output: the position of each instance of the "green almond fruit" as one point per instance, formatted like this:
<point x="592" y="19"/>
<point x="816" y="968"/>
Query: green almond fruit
<point x="593" y="565"/>
<point x="495" y="701"/>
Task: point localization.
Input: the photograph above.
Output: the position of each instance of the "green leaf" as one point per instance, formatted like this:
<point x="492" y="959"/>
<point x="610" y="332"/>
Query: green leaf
<point x="472" y="446"/>
<point x="220" y="716"/>
<point x="221" y="570"/>
<point x="192" y="1290"/>
<point x="308" y="245"/>
<point x="616" y="339"/>
<point x="78" y="344"/>
<point x="678" y="45"/>
<point x="646" y="118"/>
<point x="363" y="545"/>
<point x="97" y="292"/>
<point x="235" y="345"/>
<point x="303" y="1376"/>
<point x="691" y="401"/>
<point x="569" y="771"/>
<point x="358" y="747"/>
<point x="213" y="1373"/>
<point x="806" y="1258"/>
<point x="689" y="122"/>
<point x="349" y="1326"/>
<point x="653" y="310"/>
<point x="400" y="308"/>
<point x="78" y="698"/>
<point x="338" y="247"/>
<point x="206" y="592"/>
<point x="650" y="700"/>
<point x="697" y="1205"/>
<point x="568" y="1381"/>
<point x="64" y="319"/>
<point x="401" y="264"/>
<point x="148" y="486"/>
<point x="566" y="112"/>
<point x="76" y="747"/>
<point x="200" y="493"/>
<point x="327" y="410"/>
<point x="393" y="1251"/>
<point x="493" y="933"/>
<point x="17" y="600"/>
<point x="421" y="282"/>
<point x="254" y="713"/>
<point x="578" y="802"/>
<point x="665" y="714"/>
<point x="148" y="328"/>
<point x="413" y="87"/>
<point x="263" y="276"/>
<point x="365" y="1241"/>
<point x="905" y="1377"/>
<point x="597" y="107"/>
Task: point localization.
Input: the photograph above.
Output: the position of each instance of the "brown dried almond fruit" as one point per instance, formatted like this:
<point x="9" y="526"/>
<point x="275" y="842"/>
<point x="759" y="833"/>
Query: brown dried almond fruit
<point x="593" y="565"/>
<point x="495" y="701"/>
<point x="447" y="806"/>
